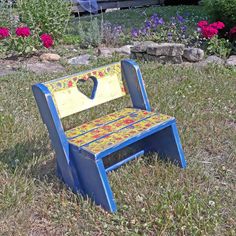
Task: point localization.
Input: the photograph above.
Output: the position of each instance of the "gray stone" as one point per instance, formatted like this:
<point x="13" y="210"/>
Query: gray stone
<point x="212" y="60"/>
<point x="44" y="67"/>
<point x="231" y="61"/>
<point x="193" y="54"/>
<point x="140" y="55"/>
<point x="49" y="57"/>
<point x="105" y="52"/>
<point x="80" y="60"/>
<point x="142" y="47"/>
<point x="164" y="59"/>
<point x="4" y="70"/>
<point x="124" y="49"/>
<point x="166" y="49"/>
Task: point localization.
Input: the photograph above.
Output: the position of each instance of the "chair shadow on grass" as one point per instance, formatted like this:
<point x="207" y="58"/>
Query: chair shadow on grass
<point x="34" y="159"/>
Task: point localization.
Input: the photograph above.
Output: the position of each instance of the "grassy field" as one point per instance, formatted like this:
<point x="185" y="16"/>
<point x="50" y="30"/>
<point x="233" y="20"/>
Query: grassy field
<point x="153" y="197"/>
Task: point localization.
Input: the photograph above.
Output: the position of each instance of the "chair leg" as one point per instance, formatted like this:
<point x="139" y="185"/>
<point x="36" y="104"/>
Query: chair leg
<point x="94" y="182"/>
<point x="167" y="144"/>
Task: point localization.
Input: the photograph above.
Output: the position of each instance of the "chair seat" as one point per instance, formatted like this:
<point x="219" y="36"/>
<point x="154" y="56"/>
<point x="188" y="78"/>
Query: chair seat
<point x="113" y="129"/>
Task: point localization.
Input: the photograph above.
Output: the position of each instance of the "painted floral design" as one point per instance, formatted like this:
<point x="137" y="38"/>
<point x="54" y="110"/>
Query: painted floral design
<point x="110" y="127"/>
<point x="99" y="122"/>
<point x="129" y="132"/>
<point x="123" y="125"/>
<point x="99" y="73"/>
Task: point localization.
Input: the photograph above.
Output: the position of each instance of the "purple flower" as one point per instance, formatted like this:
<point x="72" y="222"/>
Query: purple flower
<point x="173" y="20"/>
<point x="169" y="35"/>
<point x="154" y="17"/>
<point x="144" y="30"/>
<point x="135" y="32"/>
<point x="161" y="21"/>
<point x="187" y="14"/>
<point x="180" y="19"/>
<point x="148" y="24"/>
<point x="183" y="28"/>
<point x="118" y="29"/>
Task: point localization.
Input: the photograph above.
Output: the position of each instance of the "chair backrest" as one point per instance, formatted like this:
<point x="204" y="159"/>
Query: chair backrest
<point x="68" y="97"/>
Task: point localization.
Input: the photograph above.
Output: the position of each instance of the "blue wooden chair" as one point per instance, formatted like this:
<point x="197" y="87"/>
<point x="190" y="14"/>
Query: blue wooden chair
<point x="82" y="153"/>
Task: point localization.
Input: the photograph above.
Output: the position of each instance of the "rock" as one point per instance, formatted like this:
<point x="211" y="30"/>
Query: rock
<point x="193" y="54"/>
<point x="166" y="49"/>
<point x="231" y="61"/>
<point x="105" y="52"/>
<point x="212" y="60"/>
<point x="80" y="60"/>
<point x="49" y="57"/>
<point x="164" y="59"/>
<point x="142" y="47"/>
<point x="7" y="70"/>
<point x="124" y="50"/>
<point x="44" y="67"/>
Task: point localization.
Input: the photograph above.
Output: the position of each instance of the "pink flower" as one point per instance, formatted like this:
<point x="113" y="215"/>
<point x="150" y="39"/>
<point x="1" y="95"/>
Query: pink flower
<point x="23" y="32"/>
<point x="202" y="23"/>
<point x="70" y="83"/>
<point x="217" y="25"/>
<point x="4" y="32"/>
<point x="209" y="32"/>
<point x="232" y="32"/>
<point x="47" y="40"/>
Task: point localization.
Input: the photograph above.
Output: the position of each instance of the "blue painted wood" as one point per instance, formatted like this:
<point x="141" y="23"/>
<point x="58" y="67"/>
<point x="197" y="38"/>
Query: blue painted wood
<point x="93" y="180"/>
<point x="59" y="142"/>
<point x="120" y="163"/>
<point x="167" y="144"/>
<point x="133" y="77"/>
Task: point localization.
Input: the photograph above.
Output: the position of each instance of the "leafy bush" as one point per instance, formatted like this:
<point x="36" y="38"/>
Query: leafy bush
<point x="45" y="16"/>
<point x="6" y="18"/>
<point x="224" y="10"/>
<point x="219" y="46"/>
<point x="90" y="34"/>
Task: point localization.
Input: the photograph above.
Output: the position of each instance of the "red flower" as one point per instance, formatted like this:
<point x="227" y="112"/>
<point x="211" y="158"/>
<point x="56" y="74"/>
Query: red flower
<point x="4" y="32"/>
<point x="47" y="40"/>
<point x="128" y="121"/>
<point x="232" y="32"/>
<point x="70" y="83"/>
<point x="202" y="23"/>
<point x="23" y="32"/>
<point x="217" y="25"/>
<point x="209" y="32"/>
<point x="100" y="74"/>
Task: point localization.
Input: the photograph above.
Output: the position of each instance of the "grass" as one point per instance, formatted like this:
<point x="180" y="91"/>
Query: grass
<point x="153" y="197"/>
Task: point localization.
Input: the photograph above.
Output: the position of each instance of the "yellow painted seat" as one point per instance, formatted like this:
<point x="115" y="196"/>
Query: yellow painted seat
<point x="113" y="129"/>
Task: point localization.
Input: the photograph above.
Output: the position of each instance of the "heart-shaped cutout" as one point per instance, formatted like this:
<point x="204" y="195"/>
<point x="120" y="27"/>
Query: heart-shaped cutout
<point x="88" y="87"/>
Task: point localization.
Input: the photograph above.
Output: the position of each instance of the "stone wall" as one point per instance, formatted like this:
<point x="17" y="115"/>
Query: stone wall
<point x="164" y="53"/>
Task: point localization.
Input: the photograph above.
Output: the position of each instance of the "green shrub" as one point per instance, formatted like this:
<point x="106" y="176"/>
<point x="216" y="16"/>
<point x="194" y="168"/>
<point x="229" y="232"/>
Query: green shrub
<point x="219" y="46"/>
<point x="90" y="33"/>
<point x="6" y="17"/>
<point x="45" y="16"/>
<point x="223" y="10"/>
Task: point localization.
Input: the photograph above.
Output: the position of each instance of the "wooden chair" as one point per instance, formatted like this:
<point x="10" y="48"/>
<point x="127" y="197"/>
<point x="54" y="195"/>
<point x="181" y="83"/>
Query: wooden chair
<point x="82" y="152"/>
